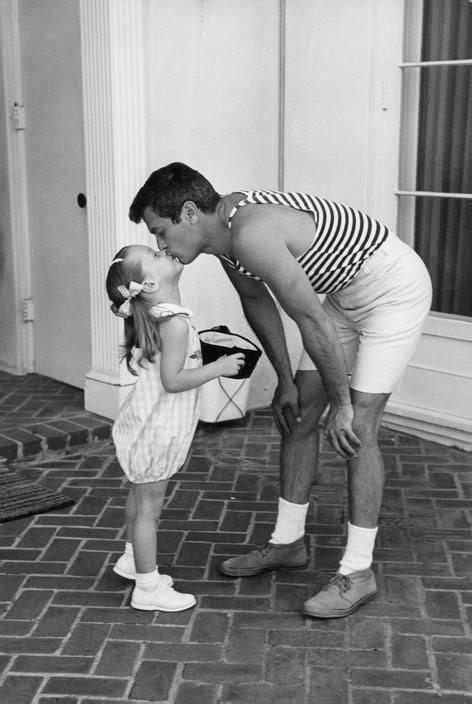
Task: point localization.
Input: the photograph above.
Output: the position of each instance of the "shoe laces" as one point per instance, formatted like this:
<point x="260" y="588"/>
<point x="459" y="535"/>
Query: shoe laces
<point x="264" y="549"/>
<point x="341" y="581"/>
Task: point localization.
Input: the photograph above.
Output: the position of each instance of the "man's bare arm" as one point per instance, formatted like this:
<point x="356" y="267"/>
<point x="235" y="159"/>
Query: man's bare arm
<point x="264" y="318"/>
<point x="270" y="259"/>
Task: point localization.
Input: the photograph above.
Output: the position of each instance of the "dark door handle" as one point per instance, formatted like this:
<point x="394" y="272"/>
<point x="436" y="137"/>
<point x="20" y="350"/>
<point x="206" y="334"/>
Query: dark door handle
<point x="81" y="200"/>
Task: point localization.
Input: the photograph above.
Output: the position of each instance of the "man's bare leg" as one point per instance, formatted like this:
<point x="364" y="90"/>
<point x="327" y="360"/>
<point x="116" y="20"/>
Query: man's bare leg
<point x="298" y="466"/>
<point x="300" y="450"/>
<point x="366" y="471"/>
<point x="299" y="460"/>
<point x="354" y="584"/>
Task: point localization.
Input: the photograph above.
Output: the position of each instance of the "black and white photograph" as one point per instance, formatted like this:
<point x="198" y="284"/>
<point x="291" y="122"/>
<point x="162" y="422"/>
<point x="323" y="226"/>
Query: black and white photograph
<point x="236" y="351"/>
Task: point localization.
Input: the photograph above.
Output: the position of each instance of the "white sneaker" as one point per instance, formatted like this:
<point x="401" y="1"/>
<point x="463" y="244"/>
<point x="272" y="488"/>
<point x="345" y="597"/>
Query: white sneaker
<point x="161" y="598"/>
<point x="126" y="568"/>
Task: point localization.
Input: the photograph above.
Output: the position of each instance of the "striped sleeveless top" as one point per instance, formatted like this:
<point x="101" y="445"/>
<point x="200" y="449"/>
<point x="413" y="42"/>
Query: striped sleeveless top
<point x="344" y="238"/>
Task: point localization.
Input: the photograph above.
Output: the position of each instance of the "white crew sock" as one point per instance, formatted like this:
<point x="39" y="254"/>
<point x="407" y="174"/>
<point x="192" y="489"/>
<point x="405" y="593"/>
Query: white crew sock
<point x="359" y="549"/>
<point x="290" y="524"/>
<point x="129" y="552"/>
<point x="147" y="580"/>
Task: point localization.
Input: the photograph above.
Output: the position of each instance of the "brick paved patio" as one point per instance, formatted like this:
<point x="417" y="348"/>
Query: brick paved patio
<point x="38" y="413"/>
<point x="68" y="635"/>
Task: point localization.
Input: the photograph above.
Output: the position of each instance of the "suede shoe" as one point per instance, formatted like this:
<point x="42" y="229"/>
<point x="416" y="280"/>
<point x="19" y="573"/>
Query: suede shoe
<point x="342" y="595"/>
<point x="126" y="568"/>
<point x="162" y="598"/>
<point x="268" y="557"/>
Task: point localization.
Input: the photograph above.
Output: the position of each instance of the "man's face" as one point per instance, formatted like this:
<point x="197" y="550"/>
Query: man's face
<point x="176" y="239"/>
<point x="156" y="265"/>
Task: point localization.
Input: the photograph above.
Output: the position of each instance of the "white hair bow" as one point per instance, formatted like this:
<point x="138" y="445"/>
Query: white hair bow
<point x="124" y="311"/>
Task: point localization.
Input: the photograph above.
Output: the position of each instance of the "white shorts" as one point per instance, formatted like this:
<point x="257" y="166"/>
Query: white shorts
<point x="379" y="316"/>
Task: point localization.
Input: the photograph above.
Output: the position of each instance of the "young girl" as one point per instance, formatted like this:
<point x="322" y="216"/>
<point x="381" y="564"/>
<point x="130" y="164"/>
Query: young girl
<point x="156" y="423"/>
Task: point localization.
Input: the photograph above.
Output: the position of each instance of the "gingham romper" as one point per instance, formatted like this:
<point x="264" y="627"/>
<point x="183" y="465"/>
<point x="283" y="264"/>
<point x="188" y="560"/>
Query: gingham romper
<point x="155" y="428"/>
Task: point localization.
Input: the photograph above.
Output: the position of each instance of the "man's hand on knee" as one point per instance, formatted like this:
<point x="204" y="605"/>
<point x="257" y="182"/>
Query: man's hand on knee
<point x="286" y="407"/>
<point x="339" y="431"/>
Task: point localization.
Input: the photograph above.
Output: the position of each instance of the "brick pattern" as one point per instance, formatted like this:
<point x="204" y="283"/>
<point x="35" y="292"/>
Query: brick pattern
<point x="68" y="635"/>
<point x="38" y="414"/>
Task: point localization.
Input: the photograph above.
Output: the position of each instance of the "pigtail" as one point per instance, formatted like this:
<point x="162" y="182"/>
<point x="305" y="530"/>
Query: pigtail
<point x="140" y="330"/>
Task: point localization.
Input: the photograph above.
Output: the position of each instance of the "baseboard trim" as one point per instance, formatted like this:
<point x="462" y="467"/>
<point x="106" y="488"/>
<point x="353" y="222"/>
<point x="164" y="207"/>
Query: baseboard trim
<point x="442" y="428"/>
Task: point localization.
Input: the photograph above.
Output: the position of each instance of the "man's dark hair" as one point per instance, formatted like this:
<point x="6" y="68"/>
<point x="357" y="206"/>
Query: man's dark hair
<point x="168" y="188"/>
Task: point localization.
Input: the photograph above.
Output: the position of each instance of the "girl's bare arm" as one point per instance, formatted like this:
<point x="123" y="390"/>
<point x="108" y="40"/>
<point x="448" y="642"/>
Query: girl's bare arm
<point x="174" y="338"/>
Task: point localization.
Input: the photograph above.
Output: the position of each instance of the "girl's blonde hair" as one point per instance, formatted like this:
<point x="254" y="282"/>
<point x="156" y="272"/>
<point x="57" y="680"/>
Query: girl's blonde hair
<point x="140" y="329"/>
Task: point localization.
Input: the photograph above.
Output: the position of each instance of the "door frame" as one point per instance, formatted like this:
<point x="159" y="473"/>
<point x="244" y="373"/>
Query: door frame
<point x="17" y="183"/>
<point x="433" y="399"/>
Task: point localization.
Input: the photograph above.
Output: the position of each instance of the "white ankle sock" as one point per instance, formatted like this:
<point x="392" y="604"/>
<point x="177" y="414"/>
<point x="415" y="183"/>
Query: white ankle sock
<point x="129" y="552"/>
<point x="147" y="580"/>
<point x="359" y="549"/>
<point x="290" y="524"/>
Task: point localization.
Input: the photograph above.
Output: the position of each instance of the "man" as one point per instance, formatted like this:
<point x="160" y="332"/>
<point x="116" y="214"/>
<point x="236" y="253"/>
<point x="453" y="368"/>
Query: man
<point x="356" y="344"/>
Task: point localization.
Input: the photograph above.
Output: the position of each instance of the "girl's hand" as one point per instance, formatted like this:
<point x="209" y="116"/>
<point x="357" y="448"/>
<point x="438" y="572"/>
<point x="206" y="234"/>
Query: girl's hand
<point x="230" y="364"/>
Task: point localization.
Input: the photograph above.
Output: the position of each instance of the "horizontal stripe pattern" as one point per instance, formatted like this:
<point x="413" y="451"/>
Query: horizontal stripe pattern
<point x="344" y="238"/>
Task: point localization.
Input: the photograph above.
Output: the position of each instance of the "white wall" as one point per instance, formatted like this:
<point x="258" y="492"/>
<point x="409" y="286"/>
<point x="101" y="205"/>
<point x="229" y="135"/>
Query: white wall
<point x="213" y="79"/>
<point x="342" y="103"/>
<point x="327" y="97"/>
<point x="212" y="102"/>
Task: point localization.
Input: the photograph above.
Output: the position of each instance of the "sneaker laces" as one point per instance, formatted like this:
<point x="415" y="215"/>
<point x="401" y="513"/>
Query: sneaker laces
<point x="165" y="587"/>
<point x="341" y="581"/>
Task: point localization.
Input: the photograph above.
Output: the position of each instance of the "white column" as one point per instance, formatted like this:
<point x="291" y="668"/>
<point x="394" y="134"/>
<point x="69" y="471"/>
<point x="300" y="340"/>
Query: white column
<point x="113" y="79"/>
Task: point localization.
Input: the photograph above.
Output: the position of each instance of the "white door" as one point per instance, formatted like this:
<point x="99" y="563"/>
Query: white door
<point x="55" y="163"/>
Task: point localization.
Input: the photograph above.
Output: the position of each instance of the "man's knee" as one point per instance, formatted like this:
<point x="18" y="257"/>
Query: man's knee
<point x="368" y="411"/>
<point x="312" y="394"/>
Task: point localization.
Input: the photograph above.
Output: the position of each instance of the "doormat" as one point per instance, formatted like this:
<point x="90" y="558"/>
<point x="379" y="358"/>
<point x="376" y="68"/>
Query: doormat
<point x="20" y="497"/>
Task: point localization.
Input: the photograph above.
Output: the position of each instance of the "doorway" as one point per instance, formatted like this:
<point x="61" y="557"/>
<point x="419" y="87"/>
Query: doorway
<point x="55" y="166"/>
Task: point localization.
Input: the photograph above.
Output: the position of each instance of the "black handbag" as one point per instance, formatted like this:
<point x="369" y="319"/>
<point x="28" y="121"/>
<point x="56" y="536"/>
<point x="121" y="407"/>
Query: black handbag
<point x="218" y="341"/>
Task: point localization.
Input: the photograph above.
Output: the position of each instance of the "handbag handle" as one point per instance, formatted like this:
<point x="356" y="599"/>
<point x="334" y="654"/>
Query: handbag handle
<point x="226" y="330"/>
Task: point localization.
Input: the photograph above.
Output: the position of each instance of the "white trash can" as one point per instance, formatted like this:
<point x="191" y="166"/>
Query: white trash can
<point x="223" y="399"/>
